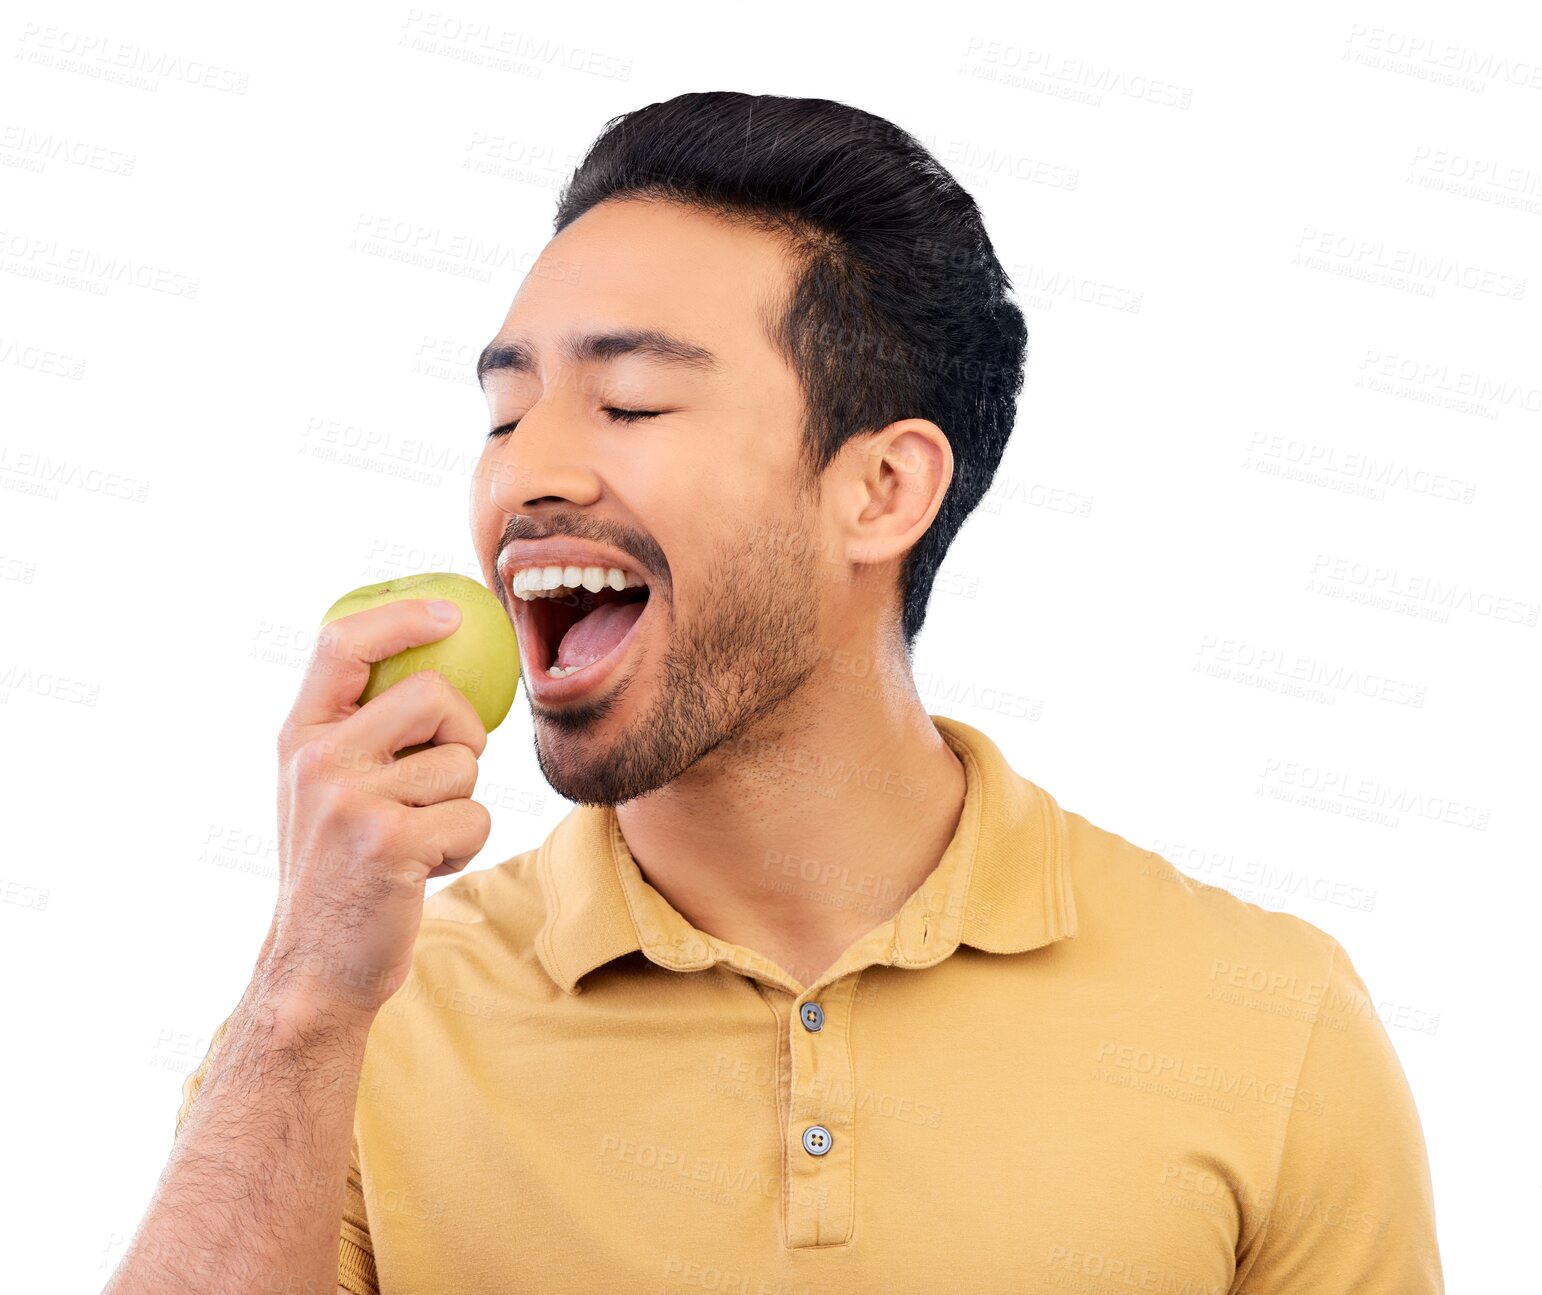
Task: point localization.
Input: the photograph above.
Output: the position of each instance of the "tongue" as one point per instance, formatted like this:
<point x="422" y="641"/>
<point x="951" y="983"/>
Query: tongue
<point x="597" y="633"/>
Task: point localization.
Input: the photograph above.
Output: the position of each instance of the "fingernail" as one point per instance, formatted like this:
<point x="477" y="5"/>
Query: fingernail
<point x="443" y="610"/>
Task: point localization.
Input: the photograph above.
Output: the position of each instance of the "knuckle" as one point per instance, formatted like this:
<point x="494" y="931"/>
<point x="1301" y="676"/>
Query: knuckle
<point x="312" y="759"/>
<point x="430" y="679"/>
<point x="376" y="833"/>
<point x="423" y="688"/>
<point x="466" y="767"/>
<point x="333" y="808"/>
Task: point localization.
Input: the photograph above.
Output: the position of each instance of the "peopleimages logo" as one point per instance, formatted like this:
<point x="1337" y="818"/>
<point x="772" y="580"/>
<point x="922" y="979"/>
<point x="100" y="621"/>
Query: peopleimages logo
<point x="1181" y="1072"/>
<point x="30" y="256"/>
<point x="1321" y="787"/>
<point x="1405" y="268"/>
<point x="1429" y="58"/>
<point x="1434" y="382"/>
<point x="106" y="59"/>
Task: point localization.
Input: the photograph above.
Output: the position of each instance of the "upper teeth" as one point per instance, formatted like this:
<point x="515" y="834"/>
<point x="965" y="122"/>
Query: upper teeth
<point x="545" y="582"/>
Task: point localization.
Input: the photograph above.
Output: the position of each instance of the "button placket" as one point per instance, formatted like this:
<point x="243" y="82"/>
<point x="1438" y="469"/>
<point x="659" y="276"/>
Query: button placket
<point x="820" y="1117"/>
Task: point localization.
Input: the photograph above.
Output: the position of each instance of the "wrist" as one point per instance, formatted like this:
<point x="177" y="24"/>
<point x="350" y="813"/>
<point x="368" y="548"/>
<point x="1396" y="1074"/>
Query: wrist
<point x="313" y="986"/>
<point x="301" y="1011"/>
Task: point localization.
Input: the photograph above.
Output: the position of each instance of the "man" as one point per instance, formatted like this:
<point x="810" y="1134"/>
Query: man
<point x="810" y="992"/>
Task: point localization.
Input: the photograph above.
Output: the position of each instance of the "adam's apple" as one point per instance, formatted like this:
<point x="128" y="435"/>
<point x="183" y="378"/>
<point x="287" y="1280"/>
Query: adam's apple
<point x="481" y="656"/>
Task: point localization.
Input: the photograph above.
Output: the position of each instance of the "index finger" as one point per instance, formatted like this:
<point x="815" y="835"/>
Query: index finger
<point x="346" y="648"/>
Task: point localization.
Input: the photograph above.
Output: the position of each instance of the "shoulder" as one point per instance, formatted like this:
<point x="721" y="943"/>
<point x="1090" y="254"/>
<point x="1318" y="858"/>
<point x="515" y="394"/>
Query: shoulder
<point x="1202" y="965"/>
<point x="1189" y="985"/>
<point x="1133" y="899"/>
<point x="507" y="895"/>
<point x="475" y="949"/>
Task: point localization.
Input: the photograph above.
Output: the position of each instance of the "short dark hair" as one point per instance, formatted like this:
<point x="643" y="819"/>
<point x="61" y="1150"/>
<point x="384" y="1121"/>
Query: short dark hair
<point x="900" y="307"/>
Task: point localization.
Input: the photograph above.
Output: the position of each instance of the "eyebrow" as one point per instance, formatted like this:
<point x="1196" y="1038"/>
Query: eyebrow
<point x="599" y="348"/>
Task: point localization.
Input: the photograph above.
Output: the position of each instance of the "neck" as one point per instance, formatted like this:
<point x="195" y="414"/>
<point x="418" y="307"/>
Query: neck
<point x="802" y="833"/>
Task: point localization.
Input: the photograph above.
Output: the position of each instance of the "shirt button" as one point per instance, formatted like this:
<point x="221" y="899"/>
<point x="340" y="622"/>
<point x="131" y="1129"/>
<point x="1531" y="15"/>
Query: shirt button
<point x="813" y="1016"/>
<point x="816" y="1139"/>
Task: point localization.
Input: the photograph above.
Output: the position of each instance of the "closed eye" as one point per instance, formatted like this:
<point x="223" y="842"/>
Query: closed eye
<point x="617" y="415"/>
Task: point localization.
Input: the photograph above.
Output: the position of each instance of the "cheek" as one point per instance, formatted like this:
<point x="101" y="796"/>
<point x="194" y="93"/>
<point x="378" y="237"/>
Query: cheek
<point x="494" y="482"/>
<point x="485" y="516"/>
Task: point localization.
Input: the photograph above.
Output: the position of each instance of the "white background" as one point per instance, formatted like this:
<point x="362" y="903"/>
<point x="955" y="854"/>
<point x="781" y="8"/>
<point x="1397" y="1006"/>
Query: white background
<point x="1280" y="430"/>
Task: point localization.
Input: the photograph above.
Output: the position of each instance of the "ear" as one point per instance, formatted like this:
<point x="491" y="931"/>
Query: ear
<point x="892" y="489"/>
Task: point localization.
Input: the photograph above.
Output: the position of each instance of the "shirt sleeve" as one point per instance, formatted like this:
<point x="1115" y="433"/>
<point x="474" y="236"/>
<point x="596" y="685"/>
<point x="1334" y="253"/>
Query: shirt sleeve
<point x="194" y="1081"/>
<point x="355" y="1255"/>
<point x="1352" y="1208"/>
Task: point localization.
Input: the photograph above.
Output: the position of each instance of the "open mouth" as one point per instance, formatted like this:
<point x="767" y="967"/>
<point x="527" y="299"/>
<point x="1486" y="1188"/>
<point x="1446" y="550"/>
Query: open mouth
<point x="571" y="626"/>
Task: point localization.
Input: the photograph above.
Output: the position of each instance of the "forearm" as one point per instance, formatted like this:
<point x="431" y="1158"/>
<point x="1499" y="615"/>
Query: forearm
<point x="251" y="1199"/>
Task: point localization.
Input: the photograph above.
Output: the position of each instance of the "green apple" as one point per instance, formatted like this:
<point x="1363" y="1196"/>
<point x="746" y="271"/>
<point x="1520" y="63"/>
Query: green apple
<point x="481" y="656"/>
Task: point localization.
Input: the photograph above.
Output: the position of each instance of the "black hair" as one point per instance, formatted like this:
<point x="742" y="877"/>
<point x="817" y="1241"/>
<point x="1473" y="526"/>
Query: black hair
<point x="900" y="307"/>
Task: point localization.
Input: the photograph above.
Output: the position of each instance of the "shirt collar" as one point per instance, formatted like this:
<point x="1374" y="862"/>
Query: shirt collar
<point x="1002" y="885"/>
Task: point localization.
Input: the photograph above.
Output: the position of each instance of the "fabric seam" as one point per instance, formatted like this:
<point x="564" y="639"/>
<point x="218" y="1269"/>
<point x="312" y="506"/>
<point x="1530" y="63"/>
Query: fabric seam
<point x="1261" y="1230"/>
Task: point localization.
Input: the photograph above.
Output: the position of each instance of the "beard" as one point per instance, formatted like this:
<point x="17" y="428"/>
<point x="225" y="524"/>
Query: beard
<point x="754" y="647"/>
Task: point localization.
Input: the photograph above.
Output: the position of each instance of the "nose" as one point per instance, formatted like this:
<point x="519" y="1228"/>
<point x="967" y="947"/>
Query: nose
<point x="544" y="461"/>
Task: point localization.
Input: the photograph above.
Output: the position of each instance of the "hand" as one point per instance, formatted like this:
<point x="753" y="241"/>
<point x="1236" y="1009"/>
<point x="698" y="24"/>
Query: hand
<point x="361" y="831"/>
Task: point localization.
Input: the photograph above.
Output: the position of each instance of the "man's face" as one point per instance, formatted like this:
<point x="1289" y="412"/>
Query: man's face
<point x="702" y="501"/>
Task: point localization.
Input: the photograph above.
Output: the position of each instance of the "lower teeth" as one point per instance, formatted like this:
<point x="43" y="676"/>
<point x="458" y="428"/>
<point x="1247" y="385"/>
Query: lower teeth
<point x="561" y="672"/>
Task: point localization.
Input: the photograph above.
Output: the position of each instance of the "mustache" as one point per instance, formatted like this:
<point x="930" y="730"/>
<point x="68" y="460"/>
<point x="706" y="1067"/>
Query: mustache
<point x="593" y="530"/>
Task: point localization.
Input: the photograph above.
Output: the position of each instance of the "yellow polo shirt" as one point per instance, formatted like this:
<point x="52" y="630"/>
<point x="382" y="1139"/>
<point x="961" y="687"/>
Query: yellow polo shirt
<point x="1062" y="1066"/>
